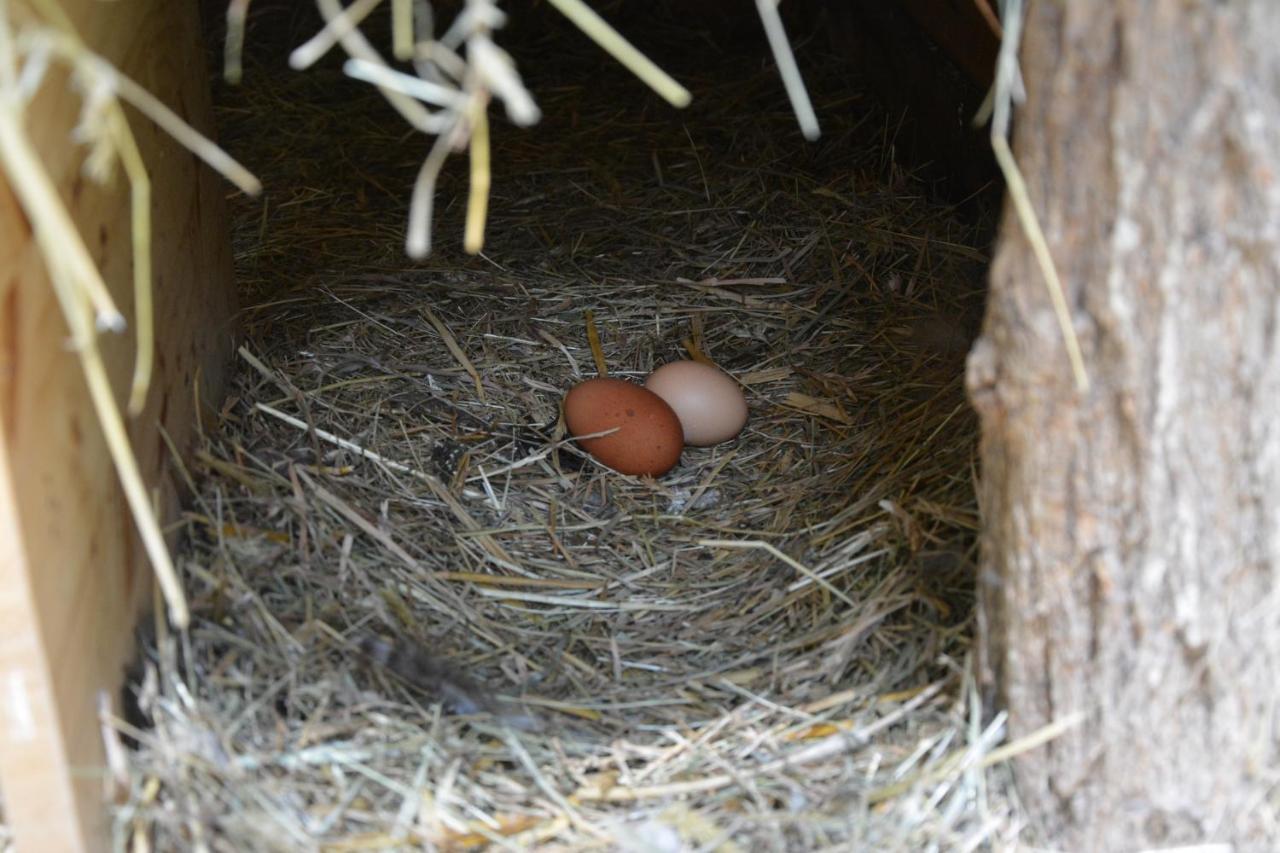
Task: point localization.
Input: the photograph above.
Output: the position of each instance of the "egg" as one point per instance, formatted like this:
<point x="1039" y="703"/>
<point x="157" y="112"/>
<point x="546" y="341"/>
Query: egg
<point x="709" y="404"/>
<point x="648" y="439"/>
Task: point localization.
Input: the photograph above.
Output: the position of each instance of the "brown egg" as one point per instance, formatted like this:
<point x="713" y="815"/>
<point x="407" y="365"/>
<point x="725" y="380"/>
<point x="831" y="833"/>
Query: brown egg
<point x="708" y="402"/>
<point x="648" y="439"/>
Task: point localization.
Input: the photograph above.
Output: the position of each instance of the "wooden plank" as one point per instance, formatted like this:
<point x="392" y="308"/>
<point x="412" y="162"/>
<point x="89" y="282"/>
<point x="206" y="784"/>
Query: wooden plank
<point x="72" y="572"/>
<point x="966" y="30"/>
<point x="930" y="101"/>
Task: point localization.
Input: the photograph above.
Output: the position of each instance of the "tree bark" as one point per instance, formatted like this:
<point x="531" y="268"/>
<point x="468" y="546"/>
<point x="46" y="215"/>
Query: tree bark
<point x="1132" y="547"/>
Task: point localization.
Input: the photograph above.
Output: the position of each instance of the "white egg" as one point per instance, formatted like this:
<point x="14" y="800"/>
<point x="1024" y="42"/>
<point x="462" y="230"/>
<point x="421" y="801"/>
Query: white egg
<point x="707" y="400"/>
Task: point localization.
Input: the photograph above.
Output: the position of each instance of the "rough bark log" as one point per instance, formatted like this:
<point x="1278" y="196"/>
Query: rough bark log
<point x="1133" y="532"/>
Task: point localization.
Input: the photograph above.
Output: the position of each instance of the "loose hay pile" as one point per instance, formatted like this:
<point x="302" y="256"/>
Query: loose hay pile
<point x="768" y="647"/>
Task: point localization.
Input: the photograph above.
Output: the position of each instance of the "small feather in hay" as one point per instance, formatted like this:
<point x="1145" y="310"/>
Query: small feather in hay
<point x="443" y="680"/>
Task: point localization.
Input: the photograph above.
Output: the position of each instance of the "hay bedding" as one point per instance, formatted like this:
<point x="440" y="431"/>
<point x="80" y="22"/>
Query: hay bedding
<point x="767" y="647"/>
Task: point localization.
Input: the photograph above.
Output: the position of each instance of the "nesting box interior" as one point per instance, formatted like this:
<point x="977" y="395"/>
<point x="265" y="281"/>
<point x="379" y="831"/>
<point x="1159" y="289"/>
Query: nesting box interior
<point x="421" y="614"/>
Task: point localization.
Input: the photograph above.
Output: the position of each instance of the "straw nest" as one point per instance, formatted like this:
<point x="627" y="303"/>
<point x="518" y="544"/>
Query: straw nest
<point x="422" y="618"/>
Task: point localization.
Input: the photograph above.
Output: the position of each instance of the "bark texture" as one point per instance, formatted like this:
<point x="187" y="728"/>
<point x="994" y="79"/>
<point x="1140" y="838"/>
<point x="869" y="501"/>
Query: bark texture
<point x="1132" y="547"/>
